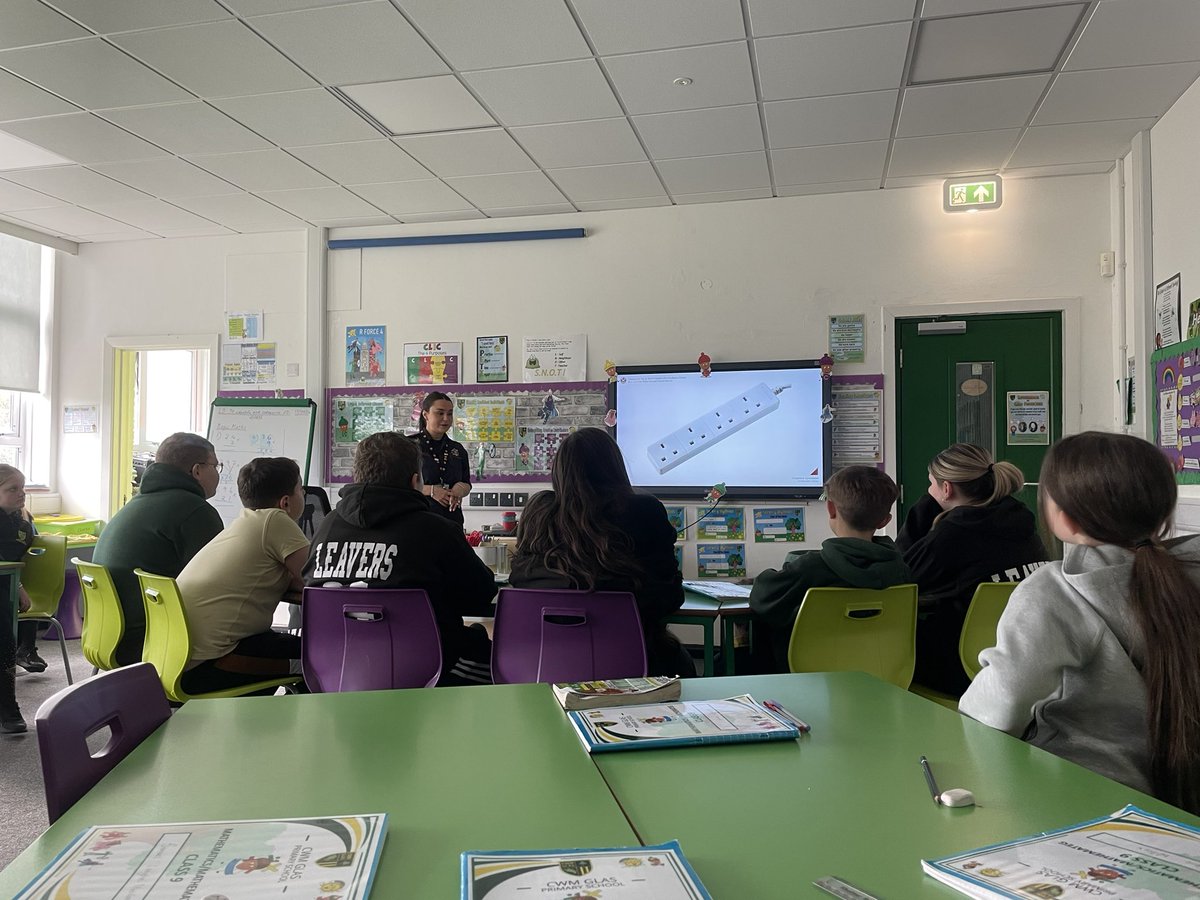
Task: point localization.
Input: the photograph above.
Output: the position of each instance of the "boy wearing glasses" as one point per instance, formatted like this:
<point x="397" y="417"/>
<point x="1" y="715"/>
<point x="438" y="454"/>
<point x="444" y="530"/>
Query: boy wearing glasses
<point x="161" y="528"/>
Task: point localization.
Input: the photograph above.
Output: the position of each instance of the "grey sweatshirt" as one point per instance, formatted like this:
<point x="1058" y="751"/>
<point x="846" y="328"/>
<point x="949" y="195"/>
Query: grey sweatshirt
<point x="1064" y="673"/>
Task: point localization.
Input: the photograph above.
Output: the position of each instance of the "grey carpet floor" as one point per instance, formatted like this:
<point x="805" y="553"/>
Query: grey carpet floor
<point x="22" y="803"/>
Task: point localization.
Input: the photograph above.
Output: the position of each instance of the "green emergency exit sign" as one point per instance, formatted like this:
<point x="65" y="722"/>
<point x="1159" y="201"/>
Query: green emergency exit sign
<point x="978" y="192"/>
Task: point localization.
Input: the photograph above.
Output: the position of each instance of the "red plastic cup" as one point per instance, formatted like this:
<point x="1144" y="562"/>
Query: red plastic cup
<point x="508" y="520"/>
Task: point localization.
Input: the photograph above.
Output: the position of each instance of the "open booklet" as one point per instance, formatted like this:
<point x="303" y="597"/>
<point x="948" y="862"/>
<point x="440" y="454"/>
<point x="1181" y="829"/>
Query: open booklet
<point x="680" y="723"/>
<point x="719" y="590"/>
<point x="239" y="860"/>
<point x="1130" y="855"/>
<point x="658" y="872"/>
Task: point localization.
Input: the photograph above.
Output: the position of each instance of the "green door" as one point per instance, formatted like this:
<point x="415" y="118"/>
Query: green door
<point x="993" y="380"/>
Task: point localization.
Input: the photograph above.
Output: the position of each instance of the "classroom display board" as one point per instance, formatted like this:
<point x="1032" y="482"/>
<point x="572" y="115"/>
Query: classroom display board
<point x="241" y="430"/>
<point x="510" y="431"/>
<point x="1176" y="406"/>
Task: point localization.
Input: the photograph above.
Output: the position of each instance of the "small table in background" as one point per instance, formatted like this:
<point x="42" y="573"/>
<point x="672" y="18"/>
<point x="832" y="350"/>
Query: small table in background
<point x="704" y="611"/>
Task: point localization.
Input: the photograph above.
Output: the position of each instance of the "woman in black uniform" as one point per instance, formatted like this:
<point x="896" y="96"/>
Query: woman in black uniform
<point x="445" y="468"/>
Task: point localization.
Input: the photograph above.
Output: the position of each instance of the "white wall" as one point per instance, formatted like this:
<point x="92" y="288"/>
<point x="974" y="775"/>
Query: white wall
<point x="160" y="288"/>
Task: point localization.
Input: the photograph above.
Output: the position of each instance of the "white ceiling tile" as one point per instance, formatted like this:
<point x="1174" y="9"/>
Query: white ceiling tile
<point x="591" y="183"/>
<point x="1048" y="145"/>
<point x="981" y="151"/>
<point x="28" y="22"/>
<point x="635" y="203"/>
<point x="487" y="152"/>
<point x="720" y="74"/>
<point x="220" y="59"/>
<point x="1136" y="34"/>
<point x="242" y="212"/>
<point x="850" y="61"/>
<point x="724" y="196"/>
<point x="1017" y="41"/>
<point x="628" y="26"/>
<point x="18" y="154"/>
<point x="705" y="174"/>
<point x="837" y="162"/>
<point x="440" y="103"/>
<point x="16" y="197"/>
<point x="208" y="229"/>
<point x="511" y="190"/>
<point x="109" y="16"/>
<point x="552" y="92"/>
<point x="402" y="198"/>
<point x="512" y="212"/>
<point x="354" y="222"/>
<point x="263" y="7"/>
<point x="22" y="100"/>
<point x="299" y="118"/>
<point x="786" y="16"/>
<point x="701" y="132"/>
<point x="83" y="138"/>
<point x="153" y="215"/>
<point x="1128" y="93"/>
<point x="168" y="178"/>
<point x="448" y="216"/>
<point x="350" y="44"/>
<point x="71" y="220"/>
<point x="912" y="181"/>
<point x="76" y="184"/>
<point x="182" y="128"/>
<point x="990" y="103"/>
<point x="833" y="187"/>
<point x="842" y="119"/>
<point x="262" y="170"/>
<point x="131" y="234"/>
<point x="492" y="35"/>
<point x="91" y="73"/>
<point x="596" y="142"/>
<point x="362" y="162"/>
<point x="321" y="203"/>
<point x="1093" y="168"/>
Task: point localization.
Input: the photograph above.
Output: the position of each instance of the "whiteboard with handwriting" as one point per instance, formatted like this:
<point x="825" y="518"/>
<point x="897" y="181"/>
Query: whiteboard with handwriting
<point x="241" y="430"/>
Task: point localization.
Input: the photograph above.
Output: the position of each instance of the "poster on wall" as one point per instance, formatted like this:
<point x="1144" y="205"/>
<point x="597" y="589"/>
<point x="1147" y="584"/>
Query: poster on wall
<point x="80" y="419"/>
<point x="491" y="359"/>
<point x="676" y="515"/>
<point x="433" y="362"/>
<point x="721" y="560"/>
<point x="492" y="418"/>
<point x="366" y="355"/>
<point x="724" y="524"/>
<point x="247" y="365"/>
<point x="847" y="338"/>
<point x="1028" y="417"/>
<point x="1166" y="313"/>
<point x="241" y="327"/>
<point x="536" y="446"/>
<point x="359" y="419"/>
<point x="857" y="402"/>
<point x="554" y="358"/>
<point x="778" y="524"/>
<point x="1173" y="402"/>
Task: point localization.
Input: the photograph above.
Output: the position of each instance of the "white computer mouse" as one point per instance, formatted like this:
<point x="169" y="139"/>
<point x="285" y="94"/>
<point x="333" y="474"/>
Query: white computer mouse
<point x="957" y="797"/>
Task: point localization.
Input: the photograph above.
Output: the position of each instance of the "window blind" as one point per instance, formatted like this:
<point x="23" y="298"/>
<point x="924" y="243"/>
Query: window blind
<point x="20" y="314"/>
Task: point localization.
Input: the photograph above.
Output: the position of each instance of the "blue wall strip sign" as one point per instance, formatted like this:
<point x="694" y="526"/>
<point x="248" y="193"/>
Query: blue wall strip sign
<point x="481" y="238"/>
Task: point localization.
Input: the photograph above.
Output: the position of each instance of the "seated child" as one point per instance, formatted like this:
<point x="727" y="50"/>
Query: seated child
<point x="231" y="587"/>
<point x="1095" y="656"/>
<point x="859" y="500"/>
<point x="382" y="533"/>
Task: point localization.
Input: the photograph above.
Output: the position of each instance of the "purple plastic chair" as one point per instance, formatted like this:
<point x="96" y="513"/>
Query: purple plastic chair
<point x="369" y="639"/>
<point x="129" y="701"/>
<point x="557" y="636"/>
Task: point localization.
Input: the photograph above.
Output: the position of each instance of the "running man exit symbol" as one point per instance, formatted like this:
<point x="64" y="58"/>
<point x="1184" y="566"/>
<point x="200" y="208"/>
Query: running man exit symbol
<point x="972" y="193"/>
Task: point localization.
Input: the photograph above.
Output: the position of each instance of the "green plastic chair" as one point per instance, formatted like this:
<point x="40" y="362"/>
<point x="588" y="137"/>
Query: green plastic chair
<point x="857" y="630"/>
<point x="44" y="577"/>
<point x="979" y="627"/>
<point x="169" y="644"/>
<point x="103" y="618"/>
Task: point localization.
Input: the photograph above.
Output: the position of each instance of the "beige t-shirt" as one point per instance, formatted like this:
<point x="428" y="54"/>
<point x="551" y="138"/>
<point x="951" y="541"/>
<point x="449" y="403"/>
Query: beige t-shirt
<point x="231" y="587"/>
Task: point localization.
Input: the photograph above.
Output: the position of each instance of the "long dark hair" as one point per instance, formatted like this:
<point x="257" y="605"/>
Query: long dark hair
<point x="573" y="532"/>
<point x="426" y="404"/>
<point x="1121" y="490"/>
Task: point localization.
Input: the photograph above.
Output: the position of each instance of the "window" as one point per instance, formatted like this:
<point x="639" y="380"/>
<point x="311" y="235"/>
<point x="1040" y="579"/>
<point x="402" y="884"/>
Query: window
<point x="26" y="309"/>
<point x="11" y="430"/>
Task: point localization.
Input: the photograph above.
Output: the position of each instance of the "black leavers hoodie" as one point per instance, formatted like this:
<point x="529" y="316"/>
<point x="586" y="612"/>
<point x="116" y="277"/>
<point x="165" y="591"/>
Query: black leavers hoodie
<point x="968" y="546"/>
<point x="387" y="537"/>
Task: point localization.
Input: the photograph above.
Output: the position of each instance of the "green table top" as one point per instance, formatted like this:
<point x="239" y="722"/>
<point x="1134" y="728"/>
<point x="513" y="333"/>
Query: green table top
<point x="456" y="768"/>
<point x="848" y="799"/>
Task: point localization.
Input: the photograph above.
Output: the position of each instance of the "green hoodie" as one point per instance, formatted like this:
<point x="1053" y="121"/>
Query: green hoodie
<point x="842" y="562"/>
<point x="159" y="530"/>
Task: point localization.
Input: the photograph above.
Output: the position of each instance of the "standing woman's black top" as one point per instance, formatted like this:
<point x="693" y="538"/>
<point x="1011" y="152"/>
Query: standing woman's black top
<point x="443" y="462"/>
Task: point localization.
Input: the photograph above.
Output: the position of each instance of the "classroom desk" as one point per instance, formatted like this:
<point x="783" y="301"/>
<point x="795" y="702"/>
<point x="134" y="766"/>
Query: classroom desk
<point x="456" y="768"/>
<point x="704" y="611"/>
<point x="848" y="799"/>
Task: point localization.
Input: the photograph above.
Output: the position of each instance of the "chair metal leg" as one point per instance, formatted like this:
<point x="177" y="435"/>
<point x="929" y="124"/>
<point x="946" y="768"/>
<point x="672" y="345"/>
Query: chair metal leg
<point x="62" y="645"/>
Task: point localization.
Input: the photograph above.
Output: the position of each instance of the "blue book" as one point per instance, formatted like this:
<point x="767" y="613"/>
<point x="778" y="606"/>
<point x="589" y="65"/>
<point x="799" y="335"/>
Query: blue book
<point x="678" y="724"/>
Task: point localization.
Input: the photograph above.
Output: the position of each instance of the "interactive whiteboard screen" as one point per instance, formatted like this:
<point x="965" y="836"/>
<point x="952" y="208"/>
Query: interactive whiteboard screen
<point x="755" y="426"/>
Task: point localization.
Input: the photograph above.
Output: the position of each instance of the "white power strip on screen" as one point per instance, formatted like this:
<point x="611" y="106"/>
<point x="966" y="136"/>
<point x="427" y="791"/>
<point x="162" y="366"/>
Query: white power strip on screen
<point x="730" y="417"/>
